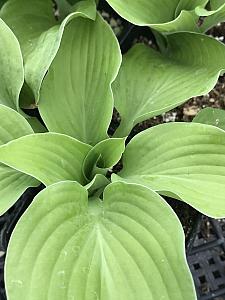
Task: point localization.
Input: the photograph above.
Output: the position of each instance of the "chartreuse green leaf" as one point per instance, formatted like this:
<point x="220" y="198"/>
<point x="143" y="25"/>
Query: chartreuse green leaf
<point x="12" y="182"/>
<point x="165" y="16"/>
<point x="211" y="116"/>
<point x="103" y="156"/>
<point x="12" y="73"/>
<point x="86" y="64"/>
<point x="150" y="83"/>
<point x="49" y="157"/>
<point x="130" y="246"/>
<point x="182" y="160"/>
<point x="39" y="34"/>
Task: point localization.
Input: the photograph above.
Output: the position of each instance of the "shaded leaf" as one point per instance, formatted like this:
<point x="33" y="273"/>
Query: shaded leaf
<point x="150" y="83"/>
<point x="190" y="5"/>
<point x="2" y="2"/>
<point x="173" y="15"/>
<point x="214" y="19"/>
<point x="211" y="116"/>
<point x="36" y="125"/>
<point x="49" y="157"/>
<point x="216" y="3"/>
<point x="12" y="74"/>
<point x="186" y="160"/>
<point x="97" y="185"/>
<point x="103" y="156"/>
<point x="89" y="58"/>
<point x="130" y="246"/>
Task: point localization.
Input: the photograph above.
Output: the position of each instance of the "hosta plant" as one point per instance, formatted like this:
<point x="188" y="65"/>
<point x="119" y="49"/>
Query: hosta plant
<point x="93" y="233"/>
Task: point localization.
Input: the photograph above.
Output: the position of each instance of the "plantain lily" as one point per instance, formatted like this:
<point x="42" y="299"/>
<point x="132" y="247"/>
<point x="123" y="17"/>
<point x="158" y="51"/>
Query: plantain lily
<point x="94" y="233"/>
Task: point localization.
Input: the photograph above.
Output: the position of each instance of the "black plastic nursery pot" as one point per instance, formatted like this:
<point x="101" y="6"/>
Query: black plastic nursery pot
<point x="205" y="238"/>
<point x="206" y="259"/>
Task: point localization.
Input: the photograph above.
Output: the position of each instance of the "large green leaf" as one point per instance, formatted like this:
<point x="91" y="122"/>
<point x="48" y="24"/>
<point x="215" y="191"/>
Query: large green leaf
<point x="150" y="83"/>
<point x="183" y="160"/>
<point x="130" y="246"/>
<point x="77" y="89"/>
<point x="49" y="157"/>
<point x="103" y="156"/>
<point x="39" y="34"/>
<point x="211" y="116"/>
<point x="12" y="182"/>
<point x="162" y="15"/>
<point x="12" y="73"/>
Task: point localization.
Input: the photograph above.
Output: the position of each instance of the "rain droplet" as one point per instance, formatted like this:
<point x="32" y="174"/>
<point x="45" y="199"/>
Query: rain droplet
<point x="18" y="283"/>
<point x="61" y="273"/>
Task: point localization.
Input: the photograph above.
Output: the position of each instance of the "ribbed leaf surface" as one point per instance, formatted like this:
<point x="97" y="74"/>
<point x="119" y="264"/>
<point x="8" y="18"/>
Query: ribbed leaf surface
<point x="49" y="157"/>
<point x="76" y="97"/>
<point x="150" y="83"/>
<point x="131" y="246"/>
<point x="182" y="160"/>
